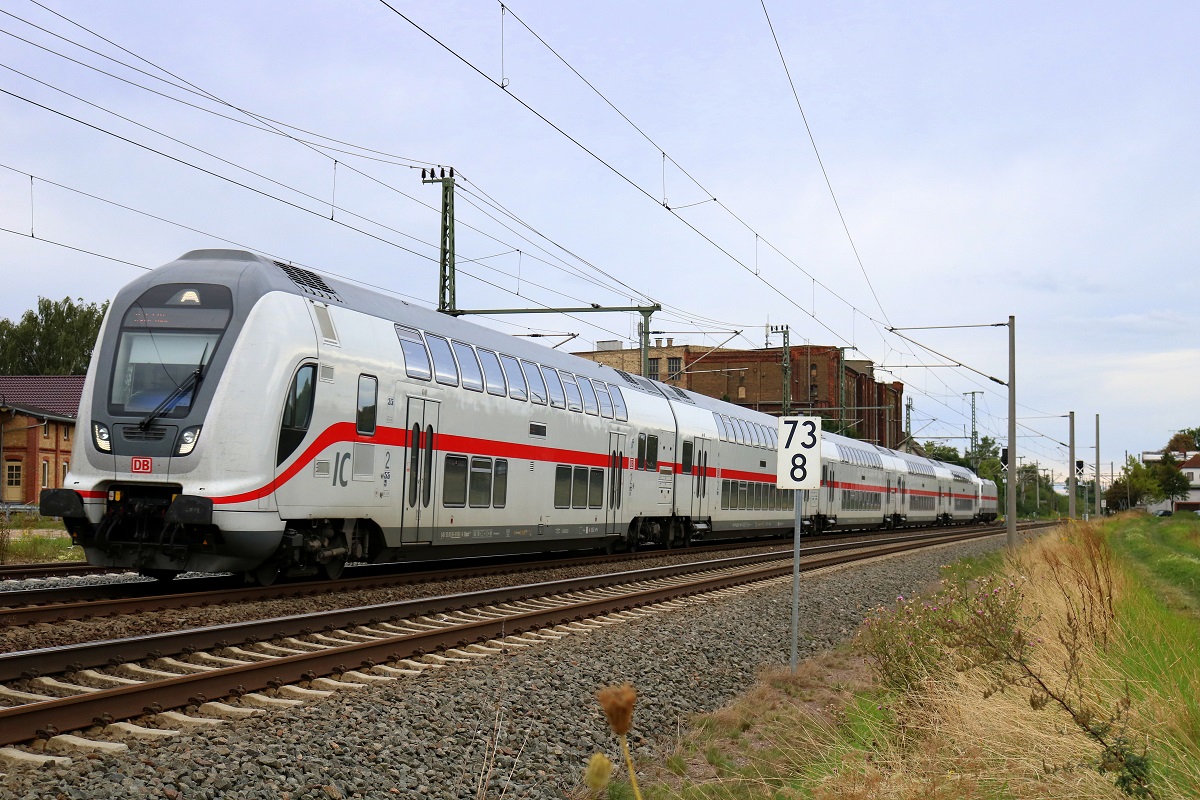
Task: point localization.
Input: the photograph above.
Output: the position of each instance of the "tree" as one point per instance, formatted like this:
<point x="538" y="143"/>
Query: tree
<point x="944" y="452"/>
<point x="1136" y="485"/>
<point x="1184" y="441"/>
<point x="1181" y="442"/>
<point x="56" y="339"/>
<point x="1172" y="482"/>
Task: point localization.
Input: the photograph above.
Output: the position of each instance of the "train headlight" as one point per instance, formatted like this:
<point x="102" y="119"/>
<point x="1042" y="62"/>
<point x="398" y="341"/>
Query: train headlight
<point x="187" y="440"/>
<point x="101" y="436"/>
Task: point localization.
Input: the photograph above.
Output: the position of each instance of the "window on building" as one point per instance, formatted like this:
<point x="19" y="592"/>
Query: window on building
<point x="66" y="433"/>
<point x="46" y="429"/>
<point x="45" y="474"/>
<point x="652" y="374"/>
<point x="674" y="367"/>
<point x="12" y="475"/>
<point x="66" y="467"/>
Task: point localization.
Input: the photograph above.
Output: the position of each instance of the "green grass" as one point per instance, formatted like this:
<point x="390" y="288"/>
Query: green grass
<point x="19" y="546"/>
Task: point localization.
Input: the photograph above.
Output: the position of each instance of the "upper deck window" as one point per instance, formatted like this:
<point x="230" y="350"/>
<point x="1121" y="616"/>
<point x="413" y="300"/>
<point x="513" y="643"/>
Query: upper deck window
<point x="166" y="335"/>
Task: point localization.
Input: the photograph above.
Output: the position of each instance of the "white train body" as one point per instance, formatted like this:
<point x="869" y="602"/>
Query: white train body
<point x="244" y="415"/>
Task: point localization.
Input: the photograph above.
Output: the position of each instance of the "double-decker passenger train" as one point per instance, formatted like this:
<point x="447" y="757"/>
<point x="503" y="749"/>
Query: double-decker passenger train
<point x="250" y="416"/>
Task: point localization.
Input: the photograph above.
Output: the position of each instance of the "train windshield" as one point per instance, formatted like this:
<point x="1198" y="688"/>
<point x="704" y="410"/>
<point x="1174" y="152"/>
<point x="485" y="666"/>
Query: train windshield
<point x="168" y="336"/>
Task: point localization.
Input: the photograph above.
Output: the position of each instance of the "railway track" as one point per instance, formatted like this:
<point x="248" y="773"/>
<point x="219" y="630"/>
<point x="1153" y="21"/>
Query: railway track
<point x="59" y="604"/>
<point x="103" y="683"/>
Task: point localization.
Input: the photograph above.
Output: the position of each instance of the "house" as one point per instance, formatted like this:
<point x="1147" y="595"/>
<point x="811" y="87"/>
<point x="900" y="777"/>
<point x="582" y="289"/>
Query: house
<point x="37" y="433"/>
<point x="1189" y="464"/>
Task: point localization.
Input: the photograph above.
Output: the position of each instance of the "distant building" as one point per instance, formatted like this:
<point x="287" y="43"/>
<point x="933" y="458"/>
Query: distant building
<point x="37" y="433"/>
<point x="1189" y="464"/>
<point x="858" y="405"/>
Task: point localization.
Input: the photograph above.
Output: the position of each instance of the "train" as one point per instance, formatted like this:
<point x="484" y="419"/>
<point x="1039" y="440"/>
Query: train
<point x="249" y="416"/>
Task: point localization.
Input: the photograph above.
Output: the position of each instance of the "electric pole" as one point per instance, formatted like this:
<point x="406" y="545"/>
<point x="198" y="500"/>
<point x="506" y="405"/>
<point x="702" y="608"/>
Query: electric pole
<point x="1071" y="486"/>
<point x="1097" y="465"/>
<point x="786" y="366"/>
<point x="446" y="263"/>
<point x="974" y="432"/>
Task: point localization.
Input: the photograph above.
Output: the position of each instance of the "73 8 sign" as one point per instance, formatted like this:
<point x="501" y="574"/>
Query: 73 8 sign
<point x="799" y="463"/>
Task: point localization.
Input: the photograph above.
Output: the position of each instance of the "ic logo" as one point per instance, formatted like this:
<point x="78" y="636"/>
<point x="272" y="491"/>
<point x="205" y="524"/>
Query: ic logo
<point x="137" y="464"/>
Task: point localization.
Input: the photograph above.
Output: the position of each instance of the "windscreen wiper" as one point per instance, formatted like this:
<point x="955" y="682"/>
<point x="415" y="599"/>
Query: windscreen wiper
<point x="192" y="381"/>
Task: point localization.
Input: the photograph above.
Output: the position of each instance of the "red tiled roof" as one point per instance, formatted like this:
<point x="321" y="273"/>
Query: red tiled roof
<point x="57" y="395"/>
<point x="1192" y="462"/>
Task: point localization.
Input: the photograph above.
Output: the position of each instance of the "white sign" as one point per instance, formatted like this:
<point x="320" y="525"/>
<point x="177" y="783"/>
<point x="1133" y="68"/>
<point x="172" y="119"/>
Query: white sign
<point x="799" y="462"/>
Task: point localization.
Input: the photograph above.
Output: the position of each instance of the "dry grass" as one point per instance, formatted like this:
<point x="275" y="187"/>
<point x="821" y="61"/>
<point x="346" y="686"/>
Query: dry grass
<point x="1035" y="686"/>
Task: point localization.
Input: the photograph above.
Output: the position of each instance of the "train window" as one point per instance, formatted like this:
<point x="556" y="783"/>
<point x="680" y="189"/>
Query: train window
<point x="472" y="376"/>
<point x="367" y="392"/>
<point x="652" y="453"/>
<point x="725" y="494"/>
<point x="774" y="434"/>
<point x="297" y="411"/>
<point x="537" y="386"/>
<point x="444" y="369"/>
<point x="579" y="488"/>
<point x="687" y="457"/>
<point x="606" y="406"/>
<point x="596" y="488"/>
<point x="481" y="482"/>
<point x="537" y="429"/>
<point x="562" y="486"/>
<point x="170" y="331"/>
<point x="493" y="376"/>
<point x="500" y="483"/>
<point x="760" y="434"/>
<point x="454" y="482"/>
<point x="739" y="431"/>
<point x="516" y="379"/>
<point x="574" y="398"/>
<point x="619" y="403"/>
<point x="720" y="426"/>
<point x="416" y="357"/>
<point x="427" y="470"/>
<point x="414" y="463"/>
<point x="590" y="404"/>
<point x="641" y="453"/>
<point x="468" y="366"/>
<point x="558" y="397"/>
<point x="743" y="495"/>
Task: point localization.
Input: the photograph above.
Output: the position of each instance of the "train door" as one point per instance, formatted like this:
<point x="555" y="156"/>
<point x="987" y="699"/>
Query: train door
<point x="419" y="505"/>
<point x="888" y="500"/>
<point x="698" y="508"/>
<point x="614" y="512"/>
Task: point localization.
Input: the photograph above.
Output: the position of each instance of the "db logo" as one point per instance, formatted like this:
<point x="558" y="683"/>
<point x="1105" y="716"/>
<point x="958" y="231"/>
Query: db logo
<point x="137" y="464"/>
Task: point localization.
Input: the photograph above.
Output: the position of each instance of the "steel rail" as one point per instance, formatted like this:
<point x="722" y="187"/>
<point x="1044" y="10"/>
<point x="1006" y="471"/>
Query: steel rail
<point x="45" y="718"/>
<point x="58" y="605"/>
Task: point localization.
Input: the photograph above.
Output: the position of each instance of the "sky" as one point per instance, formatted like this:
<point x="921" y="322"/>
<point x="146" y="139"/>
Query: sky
<point x="972" y="161"/>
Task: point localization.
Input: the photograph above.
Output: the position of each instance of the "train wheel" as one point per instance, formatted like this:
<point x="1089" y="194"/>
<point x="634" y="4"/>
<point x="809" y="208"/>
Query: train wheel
<point x="334" y="567"/>
<point x="266" y="574"/>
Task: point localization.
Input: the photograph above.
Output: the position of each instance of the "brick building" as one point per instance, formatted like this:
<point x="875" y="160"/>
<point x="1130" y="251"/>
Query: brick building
<point x="857" y="405"/>
<point x="37" y="432"/>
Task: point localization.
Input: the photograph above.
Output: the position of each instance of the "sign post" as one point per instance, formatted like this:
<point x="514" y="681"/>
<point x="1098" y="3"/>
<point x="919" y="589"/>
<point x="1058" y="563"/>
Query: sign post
<point x="798" y="467"/>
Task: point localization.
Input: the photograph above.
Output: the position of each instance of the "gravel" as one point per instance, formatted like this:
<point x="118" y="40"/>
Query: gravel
<point x="524" y="723"/>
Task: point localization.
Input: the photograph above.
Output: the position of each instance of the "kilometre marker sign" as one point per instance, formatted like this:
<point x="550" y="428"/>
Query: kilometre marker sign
<point x="799" y="461"/>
